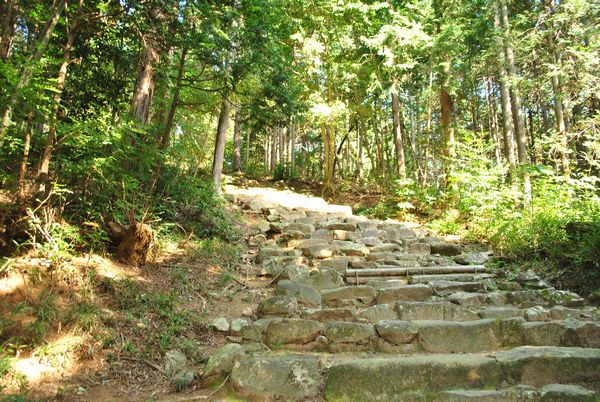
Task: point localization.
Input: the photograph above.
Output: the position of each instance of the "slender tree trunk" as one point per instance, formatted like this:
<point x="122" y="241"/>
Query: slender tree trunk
<point x="247" y="150"/>
<point x="515" y="98"/>
<point x="397" y="132"/>
<point x="493" y="120"/>
<point x="164" y="143"/>
<point x="561" y="125"/>
<point x="8" y="19"/>
<point x="446" y="122"/>
<point x="60" y="86"/>
<point x="26" y="148"/>
<point x="27" y="72"/>
<point x="144" y="86"/>
<point x="507" y="117"/>
<point x="237" y="140"/>
<point x="293" y="150"/>
<point x="360" y="127"/>
<point x="273" y="159"/>
<point x="429" y="125"/>
<point x="219" y="155"/>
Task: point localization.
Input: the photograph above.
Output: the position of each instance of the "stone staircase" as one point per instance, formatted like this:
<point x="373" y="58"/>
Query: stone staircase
<point x="365" y="310"/>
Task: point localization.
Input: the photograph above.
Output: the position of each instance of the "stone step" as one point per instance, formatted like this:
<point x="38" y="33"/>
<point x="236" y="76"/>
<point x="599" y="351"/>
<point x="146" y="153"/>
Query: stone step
<point x="539" y="372"/>
<point x="411" y="336"/>
<point x="450" y="278"/>
<point x="390" y="270"/>
<point x="407" y="311"/>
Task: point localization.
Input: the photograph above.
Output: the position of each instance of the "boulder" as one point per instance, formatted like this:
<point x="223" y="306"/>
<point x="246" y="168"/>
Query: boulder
<point x="404" y="293"/>
<point x="349" y="333"/>
<point x="304" y="294"/>
<point x="278" y="305"/>
<point x="349" y="296"/>
<point x="458" y="337"/>
<point x="397" y="332"/>
<point x="281" y="377"/>
<point x="292" y="331"/>
<point x="544" y="365"/>
<point x="566" y="393"/>
<point x="324" y="279"/>
<point x="220" y="362"/>
<point x="446" y="249"/>
<point x="472" y="258"/>
<point x="376" y="313"/>
<point x="420" y="249"/>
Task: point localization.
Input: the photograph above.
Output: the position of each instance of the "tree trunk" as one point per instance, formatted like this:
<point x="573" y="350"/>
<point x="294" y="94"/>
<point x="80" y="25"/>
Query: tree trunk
<point x="26" y="148"/>
<point x="507" y="118"/>
<point x="164" y="143"/>
<point x="217" y="168"/>
<point x="397" y="133"/>
<point x="247" y="150"/>
<point x="515" y="98"/>
<point x="26" y="73"/>
<point x="144" y="86"/>
<point x="237" y="141"/>
<point x="293" y="150"/>
<point x="493" y="121"/>
<point x="559" y="109"/>
<point x="60" y="86"/>
<point x="8" y="19"/>
<point x="273" y="159"/>
<point x="446" y="122"/>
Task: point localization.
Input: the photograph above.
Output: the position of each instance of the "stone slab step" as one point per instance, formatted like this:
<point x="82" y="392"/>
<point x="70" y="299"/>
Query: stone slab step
<point x="409" y="271"/>
<point x="451" y="278"/>
<point x="409" y="336"/>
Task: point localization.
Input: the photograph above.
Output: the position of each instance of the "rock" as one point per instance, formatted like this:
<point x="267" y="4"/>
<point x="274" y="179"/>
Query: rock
<point x="263" y="226"/>
<point x="292" y="331"/>
<point x="322" y="234"/>
<point x="562" y="312"/>
<point x="303" y="293"/>
<point x="349" y="296"/>
<point x="183" y="379"/>
<point x="537" y="313"/>
<point x="386" y="248"/>
<point x="324" y="279"/>
<point x="397" y="231"/>
<point x="239" y="323"/>
<point x="381" y="257"/>
<point x="385" y="379"/>
<point x="370" y="241"/>
<point x="257" y="240"/>
<point x="454" y="312"/>
<point x="467" y="299"/>
<point x="446" y="249"/>
<point x="291" y="238"/>
<point x="387" y="284"/>
<point x="498" y="298"/>
<point x="330" y="314"/>
<point x="500" y="313"/>
<point x="265" y="253"/>
<point x="562" y="298"/>
<point x="220" y="362"/>
<point x="340" y="264"/>
<point x="526" y="298"/>
<point x="443" y="287"/>
<point x="247" y="312"/>
<point x="409" y="311"/>
<point x="539" y="366"/>
<point x="566" y="393"/>
<point x="511" y="331"/>
<point x="360" y="262"/>
<point x="278" y="305"/>
<point x="397" y="332"/>
<point x="301" y="227"/>
<point x="320" y="251"/>
<point x="349" y="332"/>
<point x="404" y="293"/>
<point x="517" y="393"/>
<point x="376" y="313"/>
<point x="306" y="220"/>
<point x="585" y="334"/>
<point x="273" y="266"/>
<point x="420" y="249"/>
<point x="255" y="331"/>
<point x="175" y="361"/>
<point x="351" y="249"/>
<point x="305" y="245"/>
<point x="220" y="324"/>
<point x="282" y="377"/>
<point x="340" y="234"/>
<point x="295" y="272"/>
<point x="472" y="258"/>
<point x="454" y="337"/>
<point x="531" y="280"/>
<point x="341" y="226"/>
